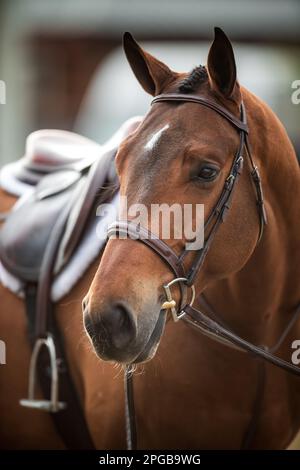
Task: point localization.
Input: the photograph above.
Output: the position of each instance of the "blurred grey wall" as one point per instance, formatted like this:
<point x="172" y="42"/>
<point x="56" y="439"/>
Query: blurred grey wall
<point x="255" y="22"/>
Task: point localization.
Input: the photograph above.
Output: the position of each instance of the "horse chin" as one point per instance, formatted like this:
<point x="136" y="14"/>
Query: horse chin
<point x="150" y="349"/>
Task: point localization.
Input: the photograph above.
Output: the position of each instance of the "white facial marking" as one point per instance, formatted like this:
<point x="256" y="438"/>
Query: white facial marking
<point x="154" y="138"/>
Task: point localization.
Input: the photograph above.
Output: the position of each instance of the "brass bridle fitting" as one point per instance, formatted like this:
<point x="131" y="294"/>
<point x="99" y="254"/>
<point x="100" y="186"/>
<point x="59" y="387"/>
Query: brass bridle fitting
<point x="170" y="303"/>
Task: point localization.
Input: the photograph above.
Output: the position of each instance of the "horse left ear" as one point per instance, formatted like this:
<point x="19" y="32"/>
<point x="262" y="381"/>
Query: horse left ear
<point x="151" y="73"/>
<point x="221" y="64"/>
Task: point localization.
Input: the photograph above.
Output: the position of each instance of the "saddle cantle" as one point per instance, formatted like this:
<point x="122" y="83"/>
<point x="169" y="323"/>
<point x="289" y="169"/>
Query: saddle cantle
<point x="48" y="151"/>
<point x="62" y="181"/>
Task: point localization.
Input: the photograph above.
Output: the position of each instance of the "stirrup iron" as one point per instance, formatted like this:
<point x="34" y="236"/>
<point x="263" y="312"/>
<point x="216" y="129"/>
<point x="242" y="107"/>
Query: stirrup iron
<point x="52" y="405"/>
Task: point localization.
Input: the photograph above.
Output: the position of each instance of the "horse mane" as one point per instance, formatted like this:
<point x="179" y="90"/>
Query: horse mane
<point x="197" y="76"/>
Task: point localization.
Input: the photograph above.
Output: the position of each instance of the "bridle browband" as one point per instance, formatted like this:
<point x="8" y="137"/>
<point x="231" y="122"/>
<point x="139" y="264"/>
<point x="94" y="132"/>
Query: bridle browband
<point x="211" y="327"/>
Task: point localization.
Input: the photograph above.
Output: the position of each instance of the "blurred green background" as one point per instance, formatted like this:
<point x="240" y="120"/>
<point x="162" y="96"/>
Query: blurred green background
<point x="63" y="66"/>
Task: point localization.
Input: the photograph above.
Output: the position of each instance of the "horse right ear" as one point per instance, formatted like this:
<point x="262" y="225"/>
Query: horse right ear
<point x="152" y="74"/>
<point x="221" y="65"/>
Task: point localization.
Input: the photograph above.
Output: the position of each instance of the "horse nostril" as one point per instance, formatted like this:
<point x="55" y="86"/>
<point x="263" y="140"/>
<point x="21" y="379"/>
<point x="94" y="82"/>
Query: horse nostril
<point x="119" y="325"/>
<point x="112" y="329"/>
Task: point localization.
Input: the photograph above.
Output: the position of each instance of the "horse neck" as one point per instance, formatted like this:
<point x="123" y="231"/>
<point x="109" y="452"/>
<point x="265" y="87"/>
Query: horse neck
<point x="279" y="250"/>
<point x="267" y="289"/>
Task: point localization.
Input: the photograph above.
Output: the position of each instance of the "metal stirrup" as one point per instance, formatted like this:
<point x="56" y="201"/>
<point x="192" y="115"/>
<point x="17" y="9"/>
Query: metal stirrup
<point x="52" y="405"/>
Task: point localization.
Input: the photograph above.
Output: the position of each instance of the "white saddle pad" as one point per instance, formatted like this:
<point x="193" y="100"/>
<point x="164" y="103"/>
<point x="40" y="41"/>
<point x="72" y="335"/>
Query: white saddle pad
<point x="88" y="250"/>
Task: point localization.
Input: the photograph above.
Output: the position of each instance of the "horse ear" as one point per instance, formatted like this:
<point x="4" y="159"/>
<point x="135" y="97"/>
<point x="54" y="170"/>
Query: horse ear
<point x="221" y="64"/>
<point x="149" y="71"/>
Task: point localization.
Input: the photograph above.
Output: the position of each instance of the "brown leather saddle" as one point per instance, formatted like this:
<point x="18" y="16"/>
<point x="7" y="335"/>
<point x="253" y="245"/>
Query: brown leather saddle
<point x="66" y="181"/>
<point x="61" y="182"/>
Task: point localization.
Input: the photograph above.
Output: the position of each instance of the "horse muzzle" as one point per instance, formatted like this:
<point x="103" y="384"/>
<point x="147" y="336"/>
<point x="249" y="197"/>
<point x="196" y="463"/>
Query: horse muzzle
<point x="118" y="334"/>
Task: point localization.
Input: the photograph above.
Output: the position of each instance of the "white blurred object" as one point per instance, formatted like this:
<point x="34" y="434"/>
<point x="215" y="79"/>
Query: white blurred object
<point x="114" y="93"/>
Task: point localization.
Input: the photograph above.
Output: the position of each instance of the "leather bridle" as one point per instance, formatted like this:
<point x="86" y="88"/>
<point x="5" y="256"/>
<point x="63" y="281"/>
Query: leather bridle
<point x="209" y="325"/>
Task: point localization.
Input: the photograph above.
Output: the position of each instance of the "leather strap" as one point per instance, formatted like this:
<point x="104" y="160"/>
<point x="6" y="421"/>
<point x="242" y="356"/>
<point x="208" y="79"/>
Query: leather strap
<point x="130" y="419"/>
<point x="178" y="97"/>
<point x="129" y="229"/>
<point x="44" y="285"/>
<point x="96" y="179"/>
<point x="259" y="191"/>
<point x="219" y="212"/>
<point x="70" y="423"/>
<point x="214" y="329"/>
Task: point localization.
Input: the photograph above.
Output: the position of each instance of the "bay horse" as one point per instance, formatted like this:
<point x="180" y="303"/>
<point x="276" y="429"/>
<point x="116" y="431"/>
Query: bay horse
<point x="192" y="392"/>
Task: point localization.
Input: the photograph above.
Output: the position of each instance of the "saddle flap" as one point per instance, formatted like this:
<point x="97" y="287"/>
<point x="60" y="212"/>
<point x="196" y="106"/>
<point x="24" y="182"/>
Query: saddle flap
<point x="55" y="183"/>
<point x="25" y="233"/>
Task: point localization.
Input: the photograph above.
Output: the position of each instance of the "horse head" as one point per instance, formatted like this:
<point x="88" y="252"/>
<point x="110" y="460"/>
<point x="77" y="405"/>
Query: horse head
<point x="180" y="154"/>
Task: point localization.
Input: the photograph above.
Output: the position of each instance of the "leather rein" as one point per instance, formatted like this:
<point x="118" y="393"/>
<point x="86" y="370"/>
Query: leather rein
<point x="212" y="327"/>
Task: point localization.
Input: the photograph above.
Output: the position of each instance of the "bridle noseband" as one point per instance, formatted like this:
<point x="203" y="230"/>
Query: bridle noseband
<point x="211" y="327"/>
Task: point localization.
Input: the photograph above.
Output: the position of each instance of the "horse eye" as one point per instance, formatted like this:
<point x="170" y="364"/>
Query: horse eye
<point x="208" y="173"/>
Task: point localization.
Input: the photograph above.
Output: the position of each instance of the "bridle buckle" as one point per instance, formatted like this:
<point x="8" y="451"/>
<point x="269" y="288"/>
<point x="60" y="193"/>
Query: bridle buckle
<point x="170" y="304"/>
